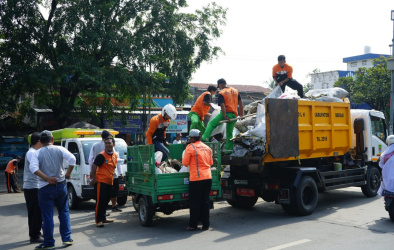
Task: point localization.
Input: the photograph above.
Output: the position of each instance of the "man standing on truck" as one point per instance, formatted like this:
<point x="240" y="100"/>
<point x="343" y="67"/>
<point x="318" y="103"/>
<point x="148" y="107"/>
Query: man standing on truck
<point x="30" y="190"/>
<point x="283" y="73"/>
<point x="103" y="169"/>
<point x="200" y="109"/>
<point x="231" y="105"/>
<point x="47" y="163"/>
<point x="97" y="148"/>
<point x="10" y="171"/>
<point x="156" y="133"/>
<point x="198" y="157"/>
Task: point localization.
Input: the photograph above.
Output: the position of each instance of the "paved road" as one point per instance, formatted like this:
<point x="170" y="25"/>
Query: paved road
<point x="344" y="219"/>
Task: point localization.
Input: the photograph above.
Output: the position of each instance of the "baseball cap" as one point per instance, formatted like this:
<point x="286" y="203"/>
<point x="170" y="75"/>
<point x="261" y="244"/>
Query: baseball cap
<point x="194" y="133"/>
<point x="105" y="134"/>
<point x="46" y="133"/>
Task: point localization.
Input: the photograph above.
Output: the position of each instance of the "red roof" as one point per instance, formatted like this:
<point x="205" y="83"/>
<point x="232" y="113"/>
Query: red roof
<point x="241" y="88"/>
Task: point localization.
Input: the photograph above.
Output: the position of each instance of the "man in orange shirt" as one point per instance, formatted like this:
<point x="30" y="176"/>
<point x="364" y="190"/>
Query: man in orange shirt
<point x="201" y="109"/>
<point x="103" y="169"/>
<point x="10" y="171"/>
<point x="283" y="75"/>
<point x="156" y="133"/>
<point x="198" y="157"/>
<point x="231" y="105"/>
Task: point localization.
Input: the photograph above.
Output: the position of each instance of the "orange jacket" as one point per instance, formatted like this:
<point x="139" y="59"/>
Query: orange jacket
<point x="282" y="73"/>
<point x="230" y="96"/>
<point x="157" y="129"/>
<point x="105" y="172"/>
<point x="200" y="166"/>
<point x="199" y="107"/>
<point x="10" y="166"/>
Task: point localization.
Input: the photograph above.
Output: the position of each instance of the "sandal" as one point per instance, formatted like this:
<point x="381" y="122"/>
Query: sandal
<point x="190" y="229"/>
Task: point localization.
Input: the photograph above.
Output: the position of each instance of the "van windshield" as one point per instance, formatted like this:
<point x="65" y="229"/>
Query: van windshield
<point x="120" y="146"/>
<point x="87" y="145"/>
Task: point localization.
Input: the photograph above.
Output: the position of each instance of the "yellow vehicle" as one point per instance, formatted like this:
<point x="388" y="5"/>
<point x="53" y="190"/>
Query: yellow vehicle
<point x="311" y="147"/>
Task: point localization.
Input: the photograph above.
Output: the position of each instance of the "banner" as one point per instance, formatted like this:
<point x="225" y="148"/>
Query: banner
<point x="133" y="124"/>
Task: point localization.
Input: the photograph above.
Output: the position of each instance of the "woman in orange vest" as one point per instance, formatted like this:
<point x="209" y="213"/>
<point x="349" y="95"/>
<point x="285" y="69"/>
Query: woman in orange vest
<point x="198" y="157"/>
<point x="200" y="109"/>
<point x="12" y="168"/>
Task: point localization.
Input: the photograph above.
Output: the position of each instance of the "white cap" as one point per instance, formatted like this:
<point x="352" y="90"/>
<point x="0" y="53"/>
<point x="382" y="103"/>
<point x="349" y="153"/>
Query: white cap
<point x="194" y="133"/>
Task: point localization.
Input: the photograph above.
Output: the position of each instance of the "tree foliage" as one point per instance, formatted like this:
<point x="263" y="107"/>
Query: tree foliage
<point x="370" y="85"/>
<point x="78" y="55"/>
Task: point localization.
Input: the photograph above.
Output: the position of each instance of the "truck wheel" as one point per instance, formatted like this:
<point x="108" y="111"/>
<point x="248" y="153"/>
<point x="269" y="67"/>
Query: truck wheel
<point x="306" y="196"/>
<point x="135" y="203"/>
<point x="122" y="200"/>
<point x="373" y="182"/>
<point x="243" y="201"/>
<point x="72" y="200"/>
<point x="146" y="211"/>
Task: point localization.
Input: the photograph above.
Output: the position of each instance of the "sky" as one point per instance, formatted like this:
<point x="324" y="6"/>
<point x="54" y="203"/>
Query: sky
<point x="311" y="34"/>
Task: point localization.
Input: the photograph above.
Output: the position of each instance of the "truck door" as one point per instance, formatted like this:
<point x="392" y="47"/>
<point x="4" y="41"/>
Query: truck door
<point x="75" y="179"/>
<point x="378" y="137"/>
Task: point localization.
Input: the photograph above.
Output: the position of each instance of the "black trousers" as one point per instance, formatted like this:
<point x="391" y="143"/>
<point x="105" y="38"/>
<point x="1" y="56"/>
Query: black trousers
<point x="10" y="181"/>
<point x="102" y="200"/>
<point x="33" y="212"/>
<point x="199" y="202"/>
<point x="293" y="84"/>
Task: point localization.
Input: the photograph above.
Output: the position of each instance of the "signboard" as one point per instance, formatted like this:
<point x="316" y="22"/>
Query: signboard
<point x="133" y="124"/>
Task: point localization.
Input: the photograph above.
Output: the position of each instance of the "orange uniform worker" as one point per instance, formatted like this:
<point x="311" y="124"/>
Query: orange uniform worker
<point x="198" y="157"/>
<point x="10" y="171"/>
<point x="103" y="169"/>
<point x="201" y="108"/>
<point x="156" y="133"/>
<point x="283" y="75"/>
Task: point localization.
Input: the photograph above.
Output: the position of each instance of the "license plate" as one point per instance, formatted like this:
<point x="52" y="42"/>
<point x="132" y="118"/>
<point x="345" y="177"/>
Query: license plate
<point x="121" y="187"/>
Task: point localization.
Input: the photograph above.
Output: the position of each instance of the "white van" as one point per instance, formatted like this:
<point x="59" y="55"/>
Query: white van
<point x="78" y="185"/>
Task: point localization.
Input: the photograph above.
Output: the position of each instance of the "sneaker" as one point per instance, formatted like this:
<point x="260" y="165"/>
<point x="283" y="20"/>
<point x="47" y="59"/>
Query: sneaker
<point x="108" y="221"/>
<point x="116" y="209"/>
<point x="68" y="243"/>
<point x="99" y="224"/>
<point x="42" y="246"/>
<point x="40" y="239"/>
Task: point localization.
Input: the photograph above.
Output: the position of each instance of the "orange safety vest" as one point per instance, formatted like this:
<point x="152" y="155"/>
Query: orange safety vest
<point x="157" y="129"/>
<point x="105" y="172"/>
<point x="199" y="108"/>
<point x="198" y="157"/>
<point x="230" y="96"/>
<point x="10" y="166"/>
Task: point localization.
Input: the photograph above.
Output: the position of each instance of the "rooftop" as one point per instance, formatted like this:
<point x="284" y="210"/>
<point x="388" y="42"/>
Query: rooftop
<point x="363" y="57"/>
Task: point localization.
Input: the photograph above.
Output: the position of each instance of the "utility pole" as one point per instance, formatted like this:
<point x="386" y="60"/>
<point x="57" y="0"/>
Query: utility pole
<point x="390" y="66"/>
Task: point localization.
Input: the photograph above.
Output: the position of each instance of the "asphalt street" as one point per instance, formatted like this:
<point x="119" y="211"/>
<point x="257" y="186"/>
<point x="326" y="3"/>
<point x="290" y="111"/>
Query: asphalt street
<point x="344" y="219"/>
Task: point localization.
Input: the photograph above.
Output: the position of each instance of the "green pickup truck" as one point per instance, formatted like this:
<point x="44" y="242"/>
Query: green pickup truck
<point x="165" y="193"/>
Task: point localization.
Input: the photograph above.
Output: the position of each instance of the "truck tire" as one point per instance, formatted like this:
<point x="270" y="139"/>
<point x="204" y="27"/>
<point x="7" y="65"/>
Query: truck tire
<point x="72" y="198"/>
<point x="306" y="196"/>
<point x="135" y="203"/>
<point x="245" y="202"/>
<point x="122" y="200"/>
<point x="146" y="211"/>
<point x="373" y="182"/>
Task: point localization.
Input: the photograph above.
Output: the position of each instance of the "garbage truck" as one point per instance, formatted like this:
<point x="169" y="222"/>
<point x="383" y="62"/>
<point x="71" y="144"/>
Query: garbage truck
<point x="153" y="192"/>
<point x="79" y="142"/>
<point x="310" y="147"/>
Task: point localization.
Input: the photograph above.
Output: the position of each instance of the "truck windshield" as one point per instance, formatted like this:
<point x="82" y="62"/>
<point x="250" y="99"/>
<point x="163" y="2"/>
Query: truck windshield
<point x="378" y="127"/>
<point x="121" y="147"/>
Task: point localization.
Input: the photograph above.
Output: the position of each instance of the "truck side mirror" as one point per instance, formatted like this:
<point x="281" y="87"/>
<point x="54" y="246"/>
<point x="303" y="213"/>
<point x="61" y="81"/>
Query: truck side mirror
<point x="78" y="159"/>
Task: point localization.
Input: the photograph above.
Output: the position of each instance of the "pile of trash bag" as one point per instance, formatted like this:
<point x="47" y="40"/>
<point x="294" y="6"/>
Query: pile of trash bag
<point x="250" y="135"/>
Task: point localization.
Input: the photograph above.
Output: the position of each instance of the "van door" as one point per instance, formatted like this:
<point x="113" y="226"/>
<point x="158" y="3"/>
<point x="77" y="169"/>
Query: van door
<point x="379" y="135"/>
<point x="75" y="180"/>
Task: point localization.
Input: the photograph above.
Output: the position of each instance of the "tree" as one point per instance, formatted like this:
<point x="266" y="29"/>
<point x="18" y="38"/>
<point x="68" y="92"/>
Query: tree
<point x="270" y="83"/>
<point x="370" y="85"/>
<point x="308" y="86"/>
<point x="99" y="55"/>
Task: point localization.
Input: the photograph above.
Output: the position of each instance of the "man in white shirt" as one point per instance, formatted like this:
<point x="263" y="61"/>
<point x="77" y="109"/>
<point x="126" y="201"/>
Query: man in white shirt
<point x="177" y="139"/>
<point x="47" y="163"/>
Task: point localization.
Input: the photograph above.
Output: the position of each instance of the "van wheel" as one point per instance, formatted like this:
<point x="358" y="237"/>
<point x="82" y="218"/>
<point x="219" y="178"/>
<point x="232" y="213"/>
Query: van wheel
<point x="122" y="200"/>
<point x="72" y="200"/>
<point x="306" y="196"/>
<point x="373" y="182"/>
<point x="146" y="211"/>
